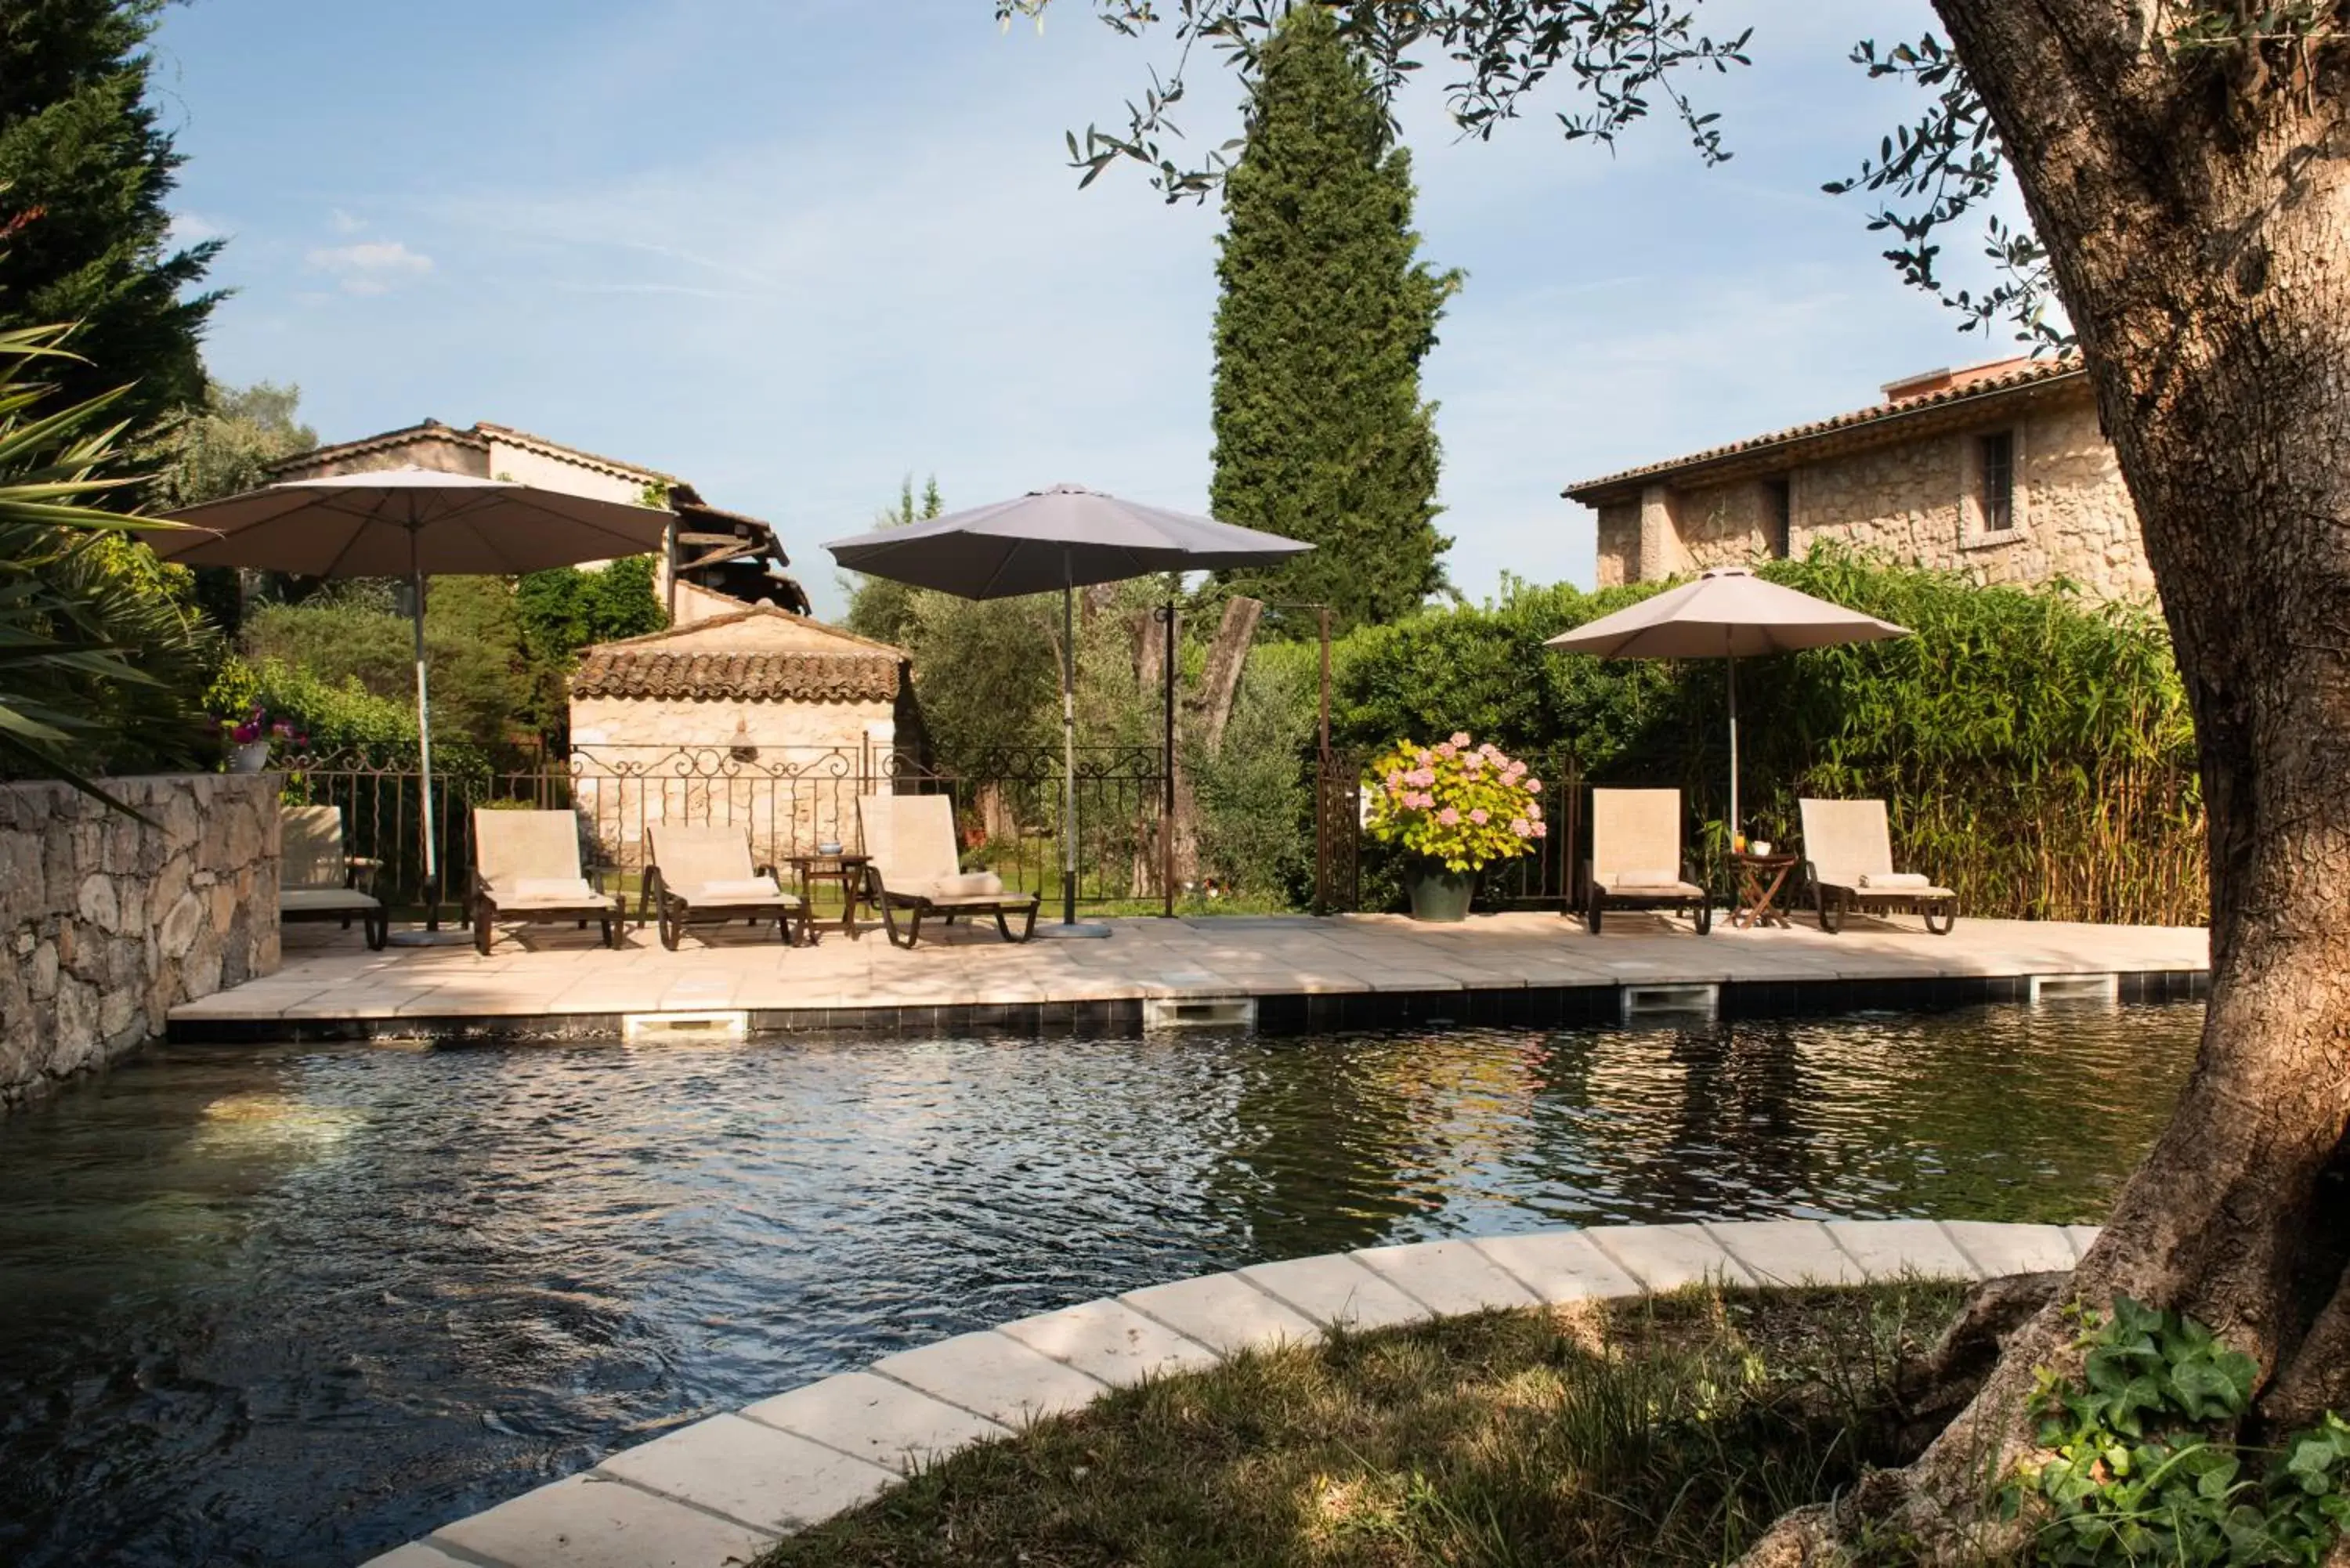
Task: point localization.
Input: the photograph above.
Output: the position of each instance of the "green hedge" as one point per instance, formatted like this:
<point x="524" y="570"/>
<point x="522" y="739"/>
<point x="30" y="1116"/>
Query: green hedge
<point x="2034" y="749"/>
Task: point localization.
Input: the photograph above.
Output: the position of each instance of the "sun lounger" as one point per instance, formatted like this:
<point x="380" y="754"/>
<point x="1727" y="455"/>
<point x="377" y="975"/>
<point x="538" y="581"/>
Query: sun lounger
<point x="317" y="881"/>
<point x="527" y="869"/>
<point x="703" y="876"/>
<point x="909" y="840"/>
<point x="1635" y="859"/>
<point x="1848" y="857"/>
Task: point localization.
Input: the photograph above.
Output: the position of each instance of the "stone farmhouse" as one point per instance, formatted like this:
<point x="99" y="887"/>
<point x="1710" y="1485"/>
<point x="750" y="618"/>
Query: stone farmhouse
<point x="2000" y="471"/>
<point x="724" y="559"/>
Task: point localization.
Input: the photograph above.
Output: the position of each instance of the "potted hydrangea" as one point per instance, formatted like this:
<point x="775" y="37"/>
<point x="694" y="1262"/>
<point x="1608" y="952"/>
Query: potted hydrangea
<point x="1456" y="808"/>
<point x="250" y="738"/>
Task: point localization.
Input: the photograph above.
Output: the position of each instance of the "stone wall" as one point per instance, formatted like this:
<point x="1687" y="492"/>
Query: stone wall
<point x="111" y="922"/>
<point x="1915" y="502"/>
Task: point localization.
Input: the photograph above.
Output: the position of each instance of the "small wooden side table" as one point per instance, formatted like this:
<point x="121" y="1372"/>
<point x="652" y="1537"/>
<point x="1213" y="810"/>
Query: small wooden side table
<point x="848" y="870"/>
<point x="1759" y="879"/>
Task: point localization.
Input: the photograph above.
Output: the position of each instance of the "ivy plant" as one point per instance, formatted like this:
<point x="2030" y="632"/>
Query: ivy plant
<point x="2143" y="1465"/>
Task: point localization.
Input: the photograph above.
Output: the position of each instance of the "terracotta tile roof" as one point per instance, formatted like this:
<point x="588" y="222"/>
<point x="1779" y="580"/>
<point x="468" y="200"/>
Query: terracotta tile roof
<point x="749" y="612"/>
<point x="623" y="672"/>
<point x="1881" y="422"/>
<point x="570" y="454"/>
<point x="406" y="435"/>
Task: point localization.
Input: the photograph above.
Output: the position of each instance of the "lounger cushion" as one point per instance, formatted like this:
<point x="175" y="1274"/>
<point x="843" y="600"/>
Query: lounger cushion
<point x="548" y="890"/>
<point x="320" y="900"/>
<point x="1628" y="880"/>
<point x="753" y="888"/>
<point x="1881" y="880"/>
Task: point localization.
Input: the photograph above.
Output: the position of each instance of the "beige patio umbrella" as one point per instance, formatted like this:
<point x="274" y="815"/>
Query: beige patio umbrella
<point x="1727" y="613"/>
<point x="411" y="523"/>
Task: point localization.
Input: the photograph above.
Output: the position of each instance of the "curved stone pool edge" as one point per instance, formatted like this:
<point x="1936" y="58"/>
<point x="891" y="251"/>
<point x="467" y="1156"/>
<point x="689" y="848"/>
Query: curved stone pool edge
<point x="726" y="1487"/>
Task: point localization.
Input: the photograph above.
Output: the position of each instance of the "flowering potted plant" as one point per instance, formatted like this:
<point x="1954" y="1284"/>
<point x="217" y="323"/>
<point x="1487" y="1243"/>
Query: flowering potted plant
<point x="1457" y="808"/>
<point x="251" y="736"/>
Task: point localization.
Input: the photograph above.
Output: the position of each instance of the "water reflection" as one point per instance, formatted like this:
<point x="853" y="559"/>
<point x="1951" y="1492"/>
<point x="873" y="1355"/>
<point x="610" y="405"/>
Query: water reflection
<point x="295" y="1305"/>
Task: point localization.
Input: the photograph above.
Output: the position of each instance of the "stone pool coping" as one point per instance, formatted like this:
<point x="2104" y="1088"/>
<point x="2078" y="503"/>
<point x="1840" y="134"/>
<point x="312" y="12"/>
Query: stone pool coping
<point x="1289" y="974"/>
<point x="726" y="1487"/>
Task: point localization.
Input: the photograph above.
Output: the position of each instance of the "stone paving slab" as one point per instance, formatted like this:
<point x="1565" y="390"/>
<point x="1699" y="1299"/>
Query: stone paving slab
<point x="1559" y="1265"/>
<point x="1224" y="1313"/>
<point x="1111" y="1340"/>
<point x="328" y="973"/>
<point x="875" y="1419"/>
<point x="1888" y="1249"/>
<point x="993" y="1375"/>
<point x="1450" y="1277"/>
<point x="2011" y="1249"/>
<point x="2083" y="1237"/>
<point x="415" y="1554"/>
<point x="1788" y="1252"/>
<point x="1334" y="1289"/>
<point x="1667" y="1257"/>
<point x="750" y="1473"/>
<point x="588" y="1522"/>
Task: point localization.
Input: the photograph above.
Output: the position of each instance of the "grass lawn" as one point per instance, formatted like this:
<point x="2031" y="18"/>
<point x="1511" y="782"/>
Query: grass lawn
<point x="1673" y="1430"/>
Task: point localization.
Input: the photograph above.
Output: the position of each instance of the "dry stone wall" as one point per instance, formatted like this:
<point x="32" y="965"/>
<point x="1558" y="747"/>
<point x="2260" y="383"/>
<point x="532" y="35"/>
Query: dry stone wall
<point x="111" y="922"/>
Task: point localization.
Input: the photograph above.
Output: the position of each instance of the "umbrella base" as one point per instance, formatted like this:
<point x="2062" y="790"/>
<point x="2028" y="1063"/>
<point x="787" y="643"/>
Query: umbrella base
<point x="1072" y="929"/>
<point x="450" y="938"/>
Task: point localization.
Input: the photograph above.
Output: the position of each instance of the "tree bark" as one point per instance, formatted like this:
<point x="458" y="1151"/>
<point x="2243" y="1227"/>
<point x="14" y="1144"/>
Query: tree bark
<point x="2197" y="211"/>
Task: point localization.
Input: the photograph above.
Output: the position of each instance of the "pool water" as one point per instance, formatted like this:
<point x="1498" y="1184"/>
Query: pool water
<point x="297" y="1304"/>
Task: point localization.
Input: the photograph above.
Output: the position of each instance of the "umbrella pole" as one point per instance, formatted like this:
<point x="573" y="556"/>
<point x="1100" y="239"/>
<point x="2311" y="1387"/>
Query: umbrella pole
<point x="423" y="743"/>
<point x="1068" y="926"/>
<point x="1733" y="662"/>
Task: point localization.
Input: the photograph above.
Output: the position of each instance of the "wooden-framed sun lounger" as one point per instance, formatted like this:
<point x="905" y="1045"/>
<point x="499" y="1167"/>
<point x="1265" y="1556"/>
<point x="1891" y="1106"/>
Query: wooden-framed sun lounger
<point x="703" y="876"/>
<point x="316" y="881"/>
<point x="527" y="869"/>
<point x="1637" y="861"/>
<point x="915" y="870"/>
<point x="1848" y="857"/>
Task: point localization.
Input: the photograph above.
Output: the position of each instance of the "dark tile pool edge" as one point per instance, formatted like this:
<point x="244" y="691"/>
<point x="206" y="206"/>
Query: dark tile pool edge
<point x="1280" y="1012"/>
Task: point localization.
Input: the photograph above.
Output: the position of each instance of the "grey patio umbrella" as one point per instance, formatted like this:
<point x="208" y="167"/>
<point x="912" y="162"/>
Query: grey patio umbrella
<point x="411" y="523"/>
<point x="1727" y="613"/>
<point x="1067" y="538"/>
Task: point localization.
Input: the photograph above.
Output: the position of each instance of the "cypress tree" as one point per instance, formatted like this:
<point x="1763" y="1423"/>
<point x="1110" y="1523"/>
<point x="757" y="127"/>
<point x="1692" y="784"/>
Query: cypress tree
<point x="1326" y="314"/>
<point x="85" y="170"/>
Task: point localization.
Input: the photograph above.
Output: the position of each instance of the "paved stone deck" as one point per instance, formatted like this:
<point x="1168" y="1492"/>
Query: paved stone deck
<point x="721" y="1489"/>
<point x="1339" y="972"/>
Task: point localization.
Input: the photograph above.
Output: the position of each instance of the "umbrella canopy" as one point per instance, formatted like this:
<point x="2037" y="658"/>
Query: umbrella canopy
<point x="411" y="523"/>
<point x="1727" y="613"/>
<point x="1067" y="536"/>
<point x="401" y="522"/>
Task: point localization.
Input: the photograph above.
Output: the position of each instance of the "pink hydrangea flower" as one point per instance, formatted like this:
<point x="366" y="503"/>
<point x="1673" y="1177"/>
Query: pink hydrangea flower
<point x="1446" y="750"/>
<point x="1394" y="779"/>
<point x="1460" y="739"/>
<point x="1423" y="777"/>
<point x="1481" y="816"/>
<point x="1534" y="786"/>
<point x="1542" y="830"/>
<point x="1450" y="816"/>
<point x="1522" y="829"/>
<point x="1515" y="770"/>
<point x="1473" y="762"/>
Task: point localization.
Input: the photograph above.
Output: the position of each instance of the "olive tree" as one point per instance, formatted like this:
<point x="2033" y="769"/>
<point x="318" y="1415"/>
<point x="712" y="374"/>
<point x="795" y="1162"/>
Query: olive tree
<point x="2183" y="166"/>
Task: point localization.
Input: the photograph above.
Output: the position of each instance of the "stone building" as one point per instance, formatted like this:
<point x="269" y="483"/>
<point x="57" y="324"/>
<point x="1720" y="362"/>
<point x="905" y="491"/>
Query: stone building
<point x="724" y="559"/>
<point x="759" y="717"/>
<point x="2000" y="471"/>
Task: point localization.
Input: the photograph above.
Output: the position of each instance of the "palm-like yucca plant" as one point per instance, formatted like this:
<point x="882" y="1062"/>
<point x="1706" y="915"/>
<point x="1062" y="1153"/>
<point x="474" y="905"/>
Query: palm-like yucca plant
<point x="94" y="655"/>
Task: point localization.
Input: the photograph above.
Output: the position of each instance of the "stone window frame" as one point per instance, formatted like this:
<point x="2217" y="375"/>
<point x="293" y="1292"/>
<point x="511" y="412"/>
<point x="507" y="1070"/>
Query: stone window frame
<point x="1972" y="533"/>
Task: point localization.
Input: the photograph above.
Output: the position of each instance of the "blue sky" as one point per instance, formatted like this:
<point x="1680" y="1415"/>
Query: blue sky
<point x="792" y="250"/>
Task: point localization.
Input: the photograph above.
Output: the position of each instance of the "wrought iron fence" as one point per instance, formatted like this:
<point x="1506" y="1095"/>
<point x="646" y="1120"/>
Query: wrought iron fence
<point x="790" y="801"/>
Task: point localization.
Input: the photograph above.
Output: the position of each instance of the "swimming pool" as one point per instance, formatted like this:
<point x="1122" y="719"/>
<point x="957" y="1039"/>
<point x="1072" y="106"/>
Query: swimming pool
<point x="297" y="1304"/>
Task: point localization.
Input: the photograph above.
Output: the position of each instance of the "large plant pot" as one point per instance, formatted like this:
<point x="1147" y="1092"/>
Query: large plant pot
<point x="249" y="758"/>
<point x="1438" y="894"/>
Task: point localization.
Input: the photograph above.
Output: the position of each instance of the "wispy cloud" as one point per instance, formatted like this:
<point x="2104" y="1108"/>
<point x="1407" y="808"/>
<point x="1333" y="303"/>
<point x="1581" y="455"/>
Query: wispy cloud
<point x="194" y="229"/>
<point x="344" y="223"/>
<point x="371" y="266"/>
